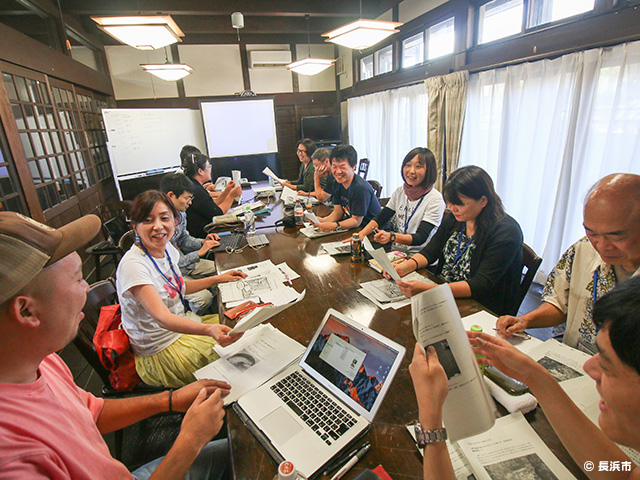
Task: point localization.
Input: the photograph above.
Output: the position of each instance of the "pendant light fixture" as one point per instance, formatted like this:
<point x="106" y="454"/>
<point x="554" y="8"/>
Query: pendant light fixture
<point x="168" y="71"/>
<point x="310" y="66"/>
<point x="144" y="32"/>
<point x="362" y="33"/>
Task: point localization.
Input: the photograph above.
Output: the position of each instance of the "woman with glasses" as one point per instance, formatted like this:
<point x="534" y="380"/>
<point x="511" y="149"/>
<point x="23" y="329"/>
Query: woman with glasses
<point x="304" y="183"/>
<point x="478" y="246"/>
<point x="197" y="167"/>
<point x="169" y="341"/>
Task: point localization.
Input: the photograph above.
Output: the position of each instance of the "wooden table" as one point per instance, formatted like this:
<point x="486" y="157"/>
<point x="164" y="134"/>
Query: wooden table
<point x="331" y="282"/>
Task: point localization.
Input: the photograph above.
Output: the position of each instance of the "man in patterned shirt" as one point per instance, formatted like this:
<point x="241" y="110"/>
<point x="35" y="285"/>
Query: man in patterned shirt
<point x="591" y="267"/>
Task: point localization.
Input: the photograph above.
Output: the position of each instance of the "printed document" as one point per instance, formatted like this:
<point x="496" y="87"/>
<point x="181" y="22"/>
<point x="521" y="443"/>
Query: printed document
<point x="255" y="358"/>
<point x="280" y="300"/>
<point x="380" y="256"/>
<point x="267" y="171"/>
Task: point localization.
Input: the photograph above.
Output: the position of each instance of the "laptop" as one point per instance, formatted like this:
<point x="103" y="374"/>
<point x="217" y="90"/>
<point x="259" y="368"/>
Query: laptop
<point x="313" y="410"/>
<point x="228" y="243"/>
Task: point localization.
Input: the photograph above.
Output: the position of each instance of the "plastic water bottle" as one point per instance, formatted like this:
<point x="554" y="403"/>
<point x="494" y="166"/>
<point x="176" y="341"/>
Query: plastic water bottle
<point x="298" y="212"/>
<point x="250" y="221"/>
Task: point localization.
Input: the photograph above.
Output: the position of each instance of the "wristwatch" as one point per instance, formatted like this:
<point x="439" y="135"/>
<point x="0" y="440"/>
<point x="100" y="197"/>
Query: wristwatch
<point x="338" y="227"/>
<point x="393" y="237"/>
<point x="426" y="437"/>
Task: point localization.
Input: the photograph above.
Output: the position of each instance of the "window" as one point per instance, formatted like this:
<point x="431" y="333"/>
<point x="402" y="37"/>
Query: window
<point x="440" y="39"/>
<point x="413" y="50"/>
<point x="546" y="11"/>
<point x="499" y="19"/>
<point x="384" y="60"/>
<point x="366" y="67"/>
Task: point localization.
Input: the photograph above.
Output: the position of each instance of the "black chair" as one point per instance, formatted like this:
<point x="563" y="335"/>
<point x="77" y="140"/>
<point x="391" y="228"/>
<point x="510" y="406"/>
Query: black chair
<point x="127" y="241"/>
<point x="363" y="167"/>
<point x="115" y="223"/>
<point x="530" y="263"/>
<point x="145" y="440"/>
<point x="377" y="187"/>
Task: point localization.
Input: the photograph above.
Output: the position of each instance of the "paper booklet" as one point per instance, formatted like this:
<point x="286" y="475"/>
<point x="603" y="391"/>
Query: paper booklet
<point x="512" y="450"/>
<point x="337" y="248"/>
<point x="386" y="291"/>
<point x="380" y="256"/>
<point x="469" y="408"/>
<point x="312" y="232"/>
<point x="262" y="314"/>
<point x="267" y="171"/>
<point x="246" y="364"/>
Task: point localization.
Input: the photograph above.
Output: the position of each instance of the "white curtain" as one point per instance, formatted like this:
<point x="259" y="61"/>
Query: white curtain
<point x="547" y="131"/>
<point x="384" y="126"/>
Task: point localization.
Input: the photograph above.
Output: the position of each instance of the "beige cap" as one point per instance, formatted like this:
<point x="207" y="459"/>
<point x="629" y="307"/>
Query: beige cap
<point x="27" y="246"/>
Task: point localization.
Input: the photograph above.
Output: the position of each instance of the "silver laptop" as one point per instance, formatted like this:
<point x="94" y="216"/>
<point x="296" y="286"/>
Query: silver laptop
<point x="311" y="411"/>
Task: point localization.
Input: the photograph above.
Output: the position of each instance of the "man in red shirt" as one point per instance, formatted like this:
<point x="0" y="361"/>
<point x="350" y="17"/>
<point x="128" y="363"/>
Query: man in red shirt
<point x="50" y="428"/>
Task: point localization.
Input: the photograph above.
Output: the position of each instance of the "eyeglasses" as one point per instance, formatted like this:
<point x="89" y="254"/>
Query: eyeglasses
<point x="302" y="151"/>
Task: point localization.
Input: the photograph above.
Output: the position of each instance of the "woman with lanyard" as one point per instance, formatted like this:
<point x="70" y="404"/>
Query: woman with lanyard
<point x="169" y="342"/>
<point x="414" y="210"/>
<point x="478" y="246"/>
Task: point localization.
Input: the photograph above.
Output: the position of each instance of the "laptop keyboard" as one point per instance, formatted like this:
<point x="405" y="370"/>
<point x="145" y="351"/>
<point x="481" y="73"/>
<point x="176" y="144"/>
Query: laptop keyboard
<point x="229" y="242"/>
<point x="324" y="416"/>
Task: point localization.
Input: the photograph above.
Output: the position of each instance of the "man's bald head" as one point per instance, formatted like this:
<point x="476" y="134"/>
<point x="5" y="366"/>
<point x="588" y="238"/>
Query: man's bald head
<point x="612" y="219"/>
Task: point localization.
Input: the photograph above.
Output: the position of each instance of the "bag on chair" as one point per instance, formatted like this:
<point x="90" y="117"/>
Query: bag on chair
<point x="112" y="345"/>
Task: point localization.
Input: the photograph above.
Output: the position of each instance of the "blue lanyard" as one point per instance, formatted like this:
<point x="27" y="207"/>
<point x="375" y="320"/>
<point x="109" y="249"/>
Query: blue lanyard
<point x="458" y="252"/>
<point x="593" y="294"/>
<point x="406" y="223"/>
<point x="178" y="289"/>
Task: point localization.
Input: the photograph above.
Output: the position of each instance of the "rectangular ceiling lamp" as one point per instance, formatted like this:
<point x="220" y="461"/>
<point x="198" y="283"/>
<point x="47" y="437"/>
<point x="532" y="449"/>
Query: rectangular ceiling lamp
<point x="362" y="33"/>
<point x="168" y="71"/>
<point x="140" y="31"/>
<point x="310" y="66"/>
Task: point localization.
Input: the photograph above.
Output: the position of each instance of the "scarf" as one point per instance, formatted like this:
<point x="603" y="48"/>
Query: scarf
<point x="414" y="193"/>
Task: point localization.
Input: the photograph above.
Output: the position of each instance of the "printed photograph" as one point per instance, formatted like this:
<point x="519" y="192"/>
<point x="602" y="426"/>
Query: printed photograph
<point x="242" y="360"/>
<point x="559" y="371"/>
<point x="445" y="355"/>
<point x="528" y="467"/>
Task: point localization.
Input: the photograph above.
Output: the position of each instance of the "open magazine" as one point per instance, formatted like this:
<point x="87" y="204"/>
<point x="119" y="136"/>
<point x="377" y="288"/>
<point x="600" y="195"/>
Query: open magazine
<point x="468" y="409"/>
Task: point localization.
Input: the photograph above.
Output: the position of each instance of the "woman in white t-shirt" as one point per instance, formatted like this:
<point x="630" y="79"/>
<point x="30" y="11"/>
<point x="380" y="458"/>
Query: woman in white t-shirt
<point x="415" y="209"/>
<point x="169" y="342"/>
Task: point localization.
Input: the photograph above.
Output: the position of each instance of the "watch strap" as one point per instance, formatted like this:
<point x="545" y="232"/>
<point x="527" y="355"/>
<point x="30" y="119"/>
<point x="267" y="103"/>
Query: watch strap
<point x="426" y="437"/>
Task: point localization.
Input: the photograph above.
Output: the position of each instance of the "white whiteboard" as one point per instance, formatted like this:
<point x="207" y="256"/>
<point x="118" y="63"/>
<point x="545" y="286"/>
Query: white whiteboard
<point x="240" y="127"/>
<point x="148" y="140"/>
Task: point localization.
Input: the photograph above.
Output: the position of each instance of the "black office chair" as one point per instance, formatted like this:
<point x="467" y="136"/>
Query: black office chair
<point x="377" y="187"/>
<point x="363" y="167"/>
<point x="145" y="440"/>
<point x="530" y="263"/>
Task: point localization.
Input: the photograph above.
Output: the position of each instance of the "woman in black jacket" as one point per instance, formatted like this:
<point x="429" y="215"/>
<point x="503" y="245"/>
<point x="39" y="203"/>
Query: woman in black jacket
<point x="478" y="246"/>
<point x="197" y="167"/>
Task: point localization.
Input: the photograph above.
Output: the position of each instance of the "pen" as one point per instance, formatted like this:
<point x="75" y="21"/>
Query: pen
<point x="355" y="459"/>
<point x="521" y="335"/>
<point x="288" y="280"/>
<point x="339" y="462"/>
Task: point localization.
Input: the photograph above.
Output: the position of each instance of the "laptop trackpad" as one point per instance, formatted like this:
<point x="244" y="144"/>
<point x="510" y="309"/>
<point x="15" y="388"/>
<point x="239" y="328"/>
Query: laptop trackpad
<point x="280" y="425"/>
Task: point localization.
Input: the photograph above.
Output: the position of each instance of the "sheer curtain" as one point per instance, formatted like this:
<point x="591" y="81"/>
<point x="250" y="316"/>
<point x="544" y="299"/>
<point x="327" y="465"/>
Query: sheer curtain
<point x="547" y="131"/>
<point x="384" y="126"/>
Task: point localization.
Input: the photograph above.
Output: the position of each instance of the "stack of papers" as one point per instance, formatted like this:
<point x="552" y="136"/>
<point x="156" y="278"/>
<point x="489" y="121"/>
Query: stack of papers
<point x="386" y="294"/>
<point x="337" y="248"/>
<point x="264" y="283"/>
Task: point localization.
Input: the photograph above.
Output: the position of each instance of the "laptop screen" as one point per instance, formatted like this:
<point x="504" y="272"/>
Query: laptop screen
<point x="354" y="360"/>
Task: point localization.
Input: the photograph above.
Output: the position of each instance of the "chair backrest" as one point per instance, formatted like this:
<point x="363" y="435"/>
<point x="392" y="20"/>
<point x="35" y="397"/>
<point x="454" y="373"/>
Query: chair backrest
<point x="530" y="262"/>
<point x="127" y="241"/>
<point x="100" y="294"/>
<point x="115" y="219"/>
<point x="376" y="186"/>
<point x="363" y="167"/>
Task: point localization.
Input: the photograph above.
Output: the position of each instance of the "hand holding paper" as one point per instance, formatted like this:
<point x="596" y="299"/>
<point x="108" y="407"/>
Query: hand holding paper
<point x="267" y="171"/>
<point x="381" y="257"/>
<point x="311" y="217"/>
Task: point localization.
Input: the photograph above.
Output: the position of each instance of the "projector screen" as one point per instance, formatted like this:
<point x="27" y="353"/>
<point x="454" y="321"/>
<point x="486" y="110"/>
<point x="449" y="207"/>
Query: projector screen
<point x="239" y="127"/>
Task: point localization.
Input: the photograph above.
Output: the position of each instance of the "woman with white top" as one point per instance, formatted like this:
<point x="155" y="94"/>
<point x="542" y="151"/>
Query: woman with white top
<point x="415" y="209"/>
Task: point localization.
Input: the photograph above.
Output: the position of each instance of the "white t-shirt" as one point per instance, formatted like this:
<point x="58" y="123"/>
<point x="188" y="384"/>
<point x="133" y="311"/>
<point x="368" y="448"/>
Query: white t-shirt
<point x="430" y="210"/>
<point x="145" y="335"/>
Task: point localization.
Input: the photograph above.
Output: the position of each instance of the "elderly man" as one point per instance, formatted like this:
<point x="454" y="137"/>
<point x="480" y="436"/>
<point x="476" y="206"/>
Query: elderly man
<point x="591" y="267"/>
<point x="50" y="428"/>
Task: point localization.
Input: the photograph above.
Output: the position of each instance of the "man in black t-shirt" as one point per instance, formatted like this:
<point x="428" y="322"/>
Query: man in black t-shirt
<point x="354" y="200"/>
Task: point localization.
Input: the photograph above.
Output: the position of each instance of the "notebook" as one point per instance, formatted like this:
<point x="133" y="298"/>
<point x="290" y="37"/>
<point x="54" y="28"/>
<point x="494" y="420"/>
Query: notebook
<point x="315" y="409"/>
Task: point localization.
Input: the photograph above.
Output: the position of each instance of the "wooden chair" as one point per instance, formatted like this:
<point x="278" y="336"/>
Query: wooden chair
<point x="376" y="186"/>
<point x="530" y="263"/>
<point x="363" y="167"/>
<point x="145" y="440"/>
<point x="127" y="241"/>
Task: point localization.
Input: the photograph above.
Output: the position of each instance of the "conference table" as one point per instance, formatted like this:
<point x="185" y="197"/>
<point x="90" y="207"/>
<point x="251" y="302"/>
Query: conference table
<point x="331" y="282"/>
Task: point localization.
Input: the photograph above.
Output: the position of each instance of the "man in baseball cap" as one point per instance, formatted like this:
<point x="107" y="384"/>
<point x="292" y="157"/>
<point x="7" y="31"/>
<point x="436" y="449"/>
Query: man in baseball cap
<point x="50" y="428"/>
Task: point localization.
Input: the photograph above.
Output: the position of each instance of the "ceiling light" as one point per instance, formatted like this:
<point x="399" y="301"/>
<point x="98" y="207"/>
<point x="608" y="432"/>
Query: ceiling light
<point x="362" y="33"/>
<point x="140" y="31"/>
<point x="168" y="71"/>
<point x="310" y="66"/>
